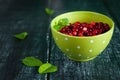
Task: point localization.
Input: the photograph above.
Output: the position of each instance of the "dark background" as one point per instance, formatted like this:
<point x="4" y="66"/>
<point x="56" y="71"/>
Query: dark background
<point x="28" y="15"/>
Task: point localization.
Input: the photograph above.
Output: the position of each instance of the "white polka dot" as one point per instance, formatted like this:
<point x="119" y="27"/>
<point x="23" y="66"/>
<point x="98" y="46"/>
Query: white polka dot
<point x="79" y="55"/>
<point x="91" y="41"/>
<point x="78" y="47"/>
<point x="67" y="49"/>
<point x="90" y="50"/>
<point x="103" y="42"/>
<point x="56" y="38"/>
<point x="66" y="39"/>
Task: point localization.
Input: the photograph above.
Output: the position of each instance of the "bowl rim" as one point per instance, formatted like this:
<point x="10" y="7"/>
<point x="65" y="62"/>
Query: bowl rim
<point x="112" y="27"/>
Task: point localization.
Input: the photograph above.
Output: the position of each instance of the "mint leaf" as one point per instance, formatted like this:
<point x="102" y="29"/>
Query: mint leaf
<point x="49" y="11"/>
<point x="47" y="68"/>
<point x="57" y="27"/>
<point x="31" y="61"/>
<point x="63" y="22"/>
<point x="21" y="36"/>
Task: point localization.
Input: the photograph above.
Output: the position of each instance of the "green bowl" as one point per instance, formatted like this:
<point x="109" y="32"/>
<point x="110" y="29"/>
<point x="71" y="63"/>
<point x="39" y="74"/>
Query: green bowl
<point x="82" y="48"/>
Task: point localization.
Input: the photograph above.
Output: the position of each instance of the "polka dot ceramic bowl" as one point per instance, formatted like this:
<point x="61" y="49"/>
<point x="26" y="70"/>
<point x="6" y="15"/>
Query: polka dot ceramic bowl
<point x="82" y="48"/>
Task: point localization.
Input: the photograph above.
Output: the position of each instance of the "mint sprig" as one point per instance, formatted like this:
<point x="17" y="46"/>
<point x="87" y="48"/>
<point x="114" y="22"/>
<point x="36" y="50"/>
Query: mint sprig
<point x="31" y="61"/>
<point x="47" y="68"/>
<point x="61" y="23"/>
<point x="49" y="11"/>
<point x="43" y="67"/>
<point x="21" y="36"/>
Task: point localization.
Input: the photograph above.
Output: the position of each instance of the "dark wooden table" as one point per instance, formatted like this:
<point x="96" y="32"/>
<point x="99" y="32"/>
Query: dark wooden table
<point x="28" y="15"/>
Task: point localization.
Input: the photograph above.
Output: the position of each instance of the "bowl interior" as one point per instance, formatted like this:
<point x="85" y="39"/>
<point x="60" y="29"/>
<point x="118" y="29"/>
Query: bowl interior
<point x="83" y="16"/>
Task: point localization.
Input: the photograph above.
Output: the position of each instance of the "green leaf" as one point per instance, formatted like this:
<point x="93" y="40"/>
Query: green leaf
<point x="47" y="68"/>
<point x="57" y="27"/>
<point x="49" y="11"/>
<point x="31" y="61"/>
<point x="21" y="36"/>
<point x="63" y="22"/>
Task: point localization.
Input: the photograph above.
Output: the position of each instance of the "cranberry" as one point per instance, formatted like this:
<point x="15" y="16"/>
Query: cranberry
<point x="80" y="33"/>
<point x="77" y="23"/>
<point x="85" y="29"/>
<point x="84" y="24"/>
<point x="95" y="32"/>
<point x="70" y="34"/>
<point x="74" y="33"/>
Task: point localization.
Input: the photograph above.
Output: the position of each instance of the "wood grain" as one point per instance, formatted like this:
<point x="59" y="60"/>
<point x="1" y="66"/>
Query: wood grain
<point x="21" y="15"/>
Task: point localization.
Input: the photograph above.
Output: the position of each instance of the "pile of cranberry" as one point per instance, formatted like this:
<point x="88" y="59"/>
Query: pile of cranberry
<point x="85" y="29"/>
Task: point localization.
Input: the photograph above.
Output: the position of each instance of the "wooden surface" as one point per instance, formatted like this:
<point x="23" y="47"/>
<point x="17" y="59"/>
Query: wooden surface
<point x="28" y="15"/>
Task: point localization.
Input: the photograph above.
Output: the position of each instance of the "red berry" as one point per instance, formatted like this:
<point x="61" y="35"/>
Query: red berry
<point x="77" y="23"/>
<point x="84" y="24"/>
<point x="80" y="34"/>
<point x="92" y="23"/>
<point x="70" y="34"/>
<point x="95" y="32"/>
<point x="74" y="33"/>
<point x="85" y="29"/>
